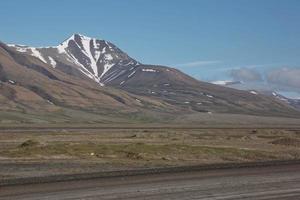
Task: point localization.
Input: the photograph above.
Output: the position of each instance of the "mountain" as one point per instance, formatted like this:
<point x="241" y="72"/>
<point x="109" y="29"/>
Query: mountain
<point x="264" y="90"/>
<point x="80" y="55"/>
<point x="95" y="76"/>
<point x="33" y="91"/>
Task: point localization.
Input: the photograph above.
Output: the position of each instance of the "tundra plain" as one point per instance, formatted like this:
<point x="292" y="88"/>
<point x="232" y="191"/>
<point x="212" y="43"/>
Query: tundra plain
<point x="39" y="152"/>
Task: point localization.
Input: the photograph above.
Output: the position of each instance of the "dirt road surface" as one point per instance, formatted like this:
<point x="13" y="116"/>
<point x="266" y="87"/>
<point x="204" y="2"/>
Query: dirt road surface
<point x="272" y="182"/>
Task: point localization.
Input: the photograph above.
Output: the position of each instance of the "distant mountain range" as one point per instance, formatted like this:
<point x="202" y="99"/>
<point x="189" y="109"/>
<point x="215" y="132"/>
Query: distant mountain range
<point x="295" y="102"/>
<point x="88" y="79"/>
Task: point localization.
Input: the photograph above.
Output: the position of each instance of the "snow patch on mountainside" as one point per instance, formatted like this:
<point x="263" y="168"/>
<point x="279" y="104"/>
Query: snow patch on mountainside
<point x="19" y="48"/>
<point x="52" y="62"/>
<point x="221" y="82"/>
<point x="37" y="54"/>
<point x="12" y="82"/>
<point x="87" y="49"/>
<point x="149" y="70"/>
<point x="62" y="47"/>
<point x="106" y="68"/>
<point x="33" y="51"/>
<point x="131" y="74"/>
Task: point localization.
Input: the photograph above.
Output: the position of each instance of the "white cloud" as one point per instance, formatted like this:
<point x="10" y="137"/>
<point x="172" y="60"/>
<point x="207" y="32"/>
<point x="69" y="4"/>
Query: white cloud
<point x="199" y="63"/>
<point x="245" y="74"/>
<point x="287" y="77"/>
<point x="256" y="66"/>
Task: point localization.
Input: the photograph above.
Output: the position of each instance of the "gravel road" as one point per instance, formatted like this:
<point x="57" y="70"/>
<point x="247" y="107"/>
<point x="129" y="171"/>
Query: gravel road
<point x="272" y="182"/>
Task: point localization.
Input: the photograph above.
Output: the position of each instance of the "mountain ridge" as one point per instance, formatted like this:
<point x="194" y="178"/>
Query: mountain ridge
<point x="91" y="56"/>
<point x="81" y="60"/>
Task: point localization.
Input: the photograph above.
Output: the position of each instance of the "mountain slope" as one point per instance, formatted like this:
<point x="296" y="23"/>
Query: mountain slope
<point x="178" y="89"/>
<point x="84" y="59"/>
<point x="29" y="86"/>
<point x="293" y="102"/>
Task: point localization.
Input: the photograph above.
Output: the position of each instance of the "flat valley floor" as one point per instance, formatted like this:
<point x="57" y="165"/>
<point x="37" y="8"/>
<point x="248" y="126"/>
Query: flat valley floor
<point x="40" y="152"/>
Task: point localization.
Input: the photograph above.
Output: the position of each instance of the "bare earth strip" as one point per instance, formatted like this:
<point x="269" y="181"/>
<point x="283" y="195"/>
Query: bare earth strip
<point x="272" y="182"/>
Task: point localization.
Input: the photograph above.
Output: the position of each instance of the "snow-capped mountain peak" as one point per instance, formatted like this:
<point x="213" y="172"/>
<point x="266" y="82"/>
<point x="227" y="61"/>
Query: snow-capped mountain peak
<point x="89" y="47"/>
<point x="98" y="59"/>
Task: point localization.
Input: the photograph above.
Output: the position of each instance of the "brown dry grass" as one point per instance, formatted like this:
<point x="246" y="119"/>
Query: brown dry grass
<point x="77" y="151"/>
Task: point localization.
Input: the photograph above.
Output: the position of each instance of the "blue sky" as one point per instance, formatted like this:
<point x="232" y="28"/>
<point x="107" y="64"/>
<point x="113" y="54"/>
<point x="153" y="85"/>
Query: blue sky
<point x="205" y="38"/>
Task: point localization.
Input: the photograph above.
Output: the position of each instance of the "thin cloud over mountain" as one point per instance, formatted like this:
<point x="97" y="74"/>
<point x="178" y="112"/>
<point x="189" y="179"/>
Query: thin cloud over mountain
<point x="288" y="77"/>
<point x="245" y="74"/>
<point x="199" y="63"/>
